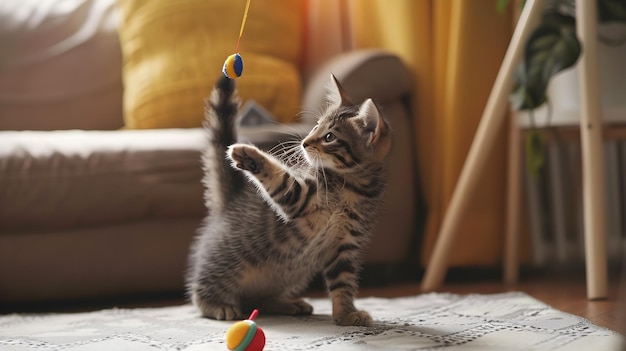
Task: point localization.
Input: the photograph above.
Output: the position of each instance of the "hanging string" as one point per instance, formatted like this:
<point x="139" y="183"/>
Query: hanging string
<point x="243" y="24"/>
<point x="233" y="65"/>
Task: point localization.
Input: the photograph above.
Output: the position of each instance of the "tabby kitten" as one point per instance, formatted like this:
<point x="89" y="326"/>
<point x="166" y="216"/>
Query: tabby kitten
<point x="275" y="221"/>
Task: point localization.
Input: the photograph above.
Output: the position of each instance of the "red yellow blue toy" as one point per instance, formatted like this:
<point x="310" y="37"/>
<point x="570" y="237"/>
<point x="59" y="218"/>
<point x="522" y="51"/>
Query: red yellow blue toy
<point x="246" y="335"/>
<point x="233" y="65"/>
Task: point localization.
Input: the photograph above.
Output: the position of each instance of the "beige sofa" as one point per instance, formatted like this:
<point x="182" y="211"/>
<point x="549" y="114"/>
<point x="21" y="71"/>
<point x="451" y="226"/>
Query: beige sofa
<point x="88" y="210"/>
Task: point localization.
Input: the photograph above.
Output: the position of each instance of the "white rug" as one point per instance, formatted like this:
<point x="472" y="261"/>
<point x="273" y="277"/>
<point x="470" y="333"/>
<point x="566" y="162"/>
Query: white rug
<point x="509" y="321"/>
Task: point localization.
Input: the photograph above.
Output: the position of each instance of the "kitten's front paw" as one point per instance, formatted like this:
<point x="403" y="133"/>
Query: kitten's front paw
<point x="247" y="157"/>
<point x="357" y="318"/>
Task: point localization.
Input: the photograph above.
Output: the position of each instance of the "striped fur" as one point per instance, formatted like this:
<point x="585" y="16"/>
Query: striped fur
<point x="275" y="221"/>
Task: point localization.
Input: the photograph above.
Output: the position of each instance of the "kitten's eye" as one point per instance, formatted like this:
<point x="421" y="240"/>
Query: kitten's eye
<point x="329" y="137"/>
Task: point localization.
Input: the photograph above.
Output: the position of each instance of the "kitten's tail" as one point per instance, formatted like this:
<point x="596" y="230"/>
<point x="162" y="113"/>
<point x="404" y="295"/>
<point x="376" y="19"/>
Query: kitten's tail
<point x="220" y="179"/>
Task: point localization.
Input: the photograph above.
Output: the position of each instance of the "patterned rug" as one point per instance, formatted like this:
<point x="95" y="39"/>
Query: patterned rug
<point x="509" y="321"/>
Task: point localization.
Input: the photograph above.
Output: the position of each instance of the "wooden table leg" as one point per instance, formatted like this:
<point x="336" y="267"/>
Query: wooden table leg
<point x="513" y="200"/>
<point x="592" y="155"/>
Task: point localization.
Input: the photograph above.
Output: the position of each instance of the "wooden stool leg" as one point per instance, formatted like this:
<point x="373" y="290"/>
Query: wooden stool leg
<point x="490" y="123"/>
<point x="511" y="238"/>
<point x="592" y="155"/>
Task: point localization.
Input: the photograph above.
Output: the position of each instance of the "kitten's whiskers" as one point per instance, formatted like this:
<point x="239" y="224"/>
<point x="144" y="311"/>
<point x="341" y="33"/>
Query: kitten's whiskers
<point x="316" y="166"/>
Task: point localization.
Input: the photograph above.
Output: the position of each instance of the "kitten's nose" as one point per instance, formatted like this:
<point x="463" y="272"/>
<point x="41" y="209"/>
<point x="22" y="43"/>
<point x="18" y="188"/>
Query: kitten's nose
<point x="305" y="144"/>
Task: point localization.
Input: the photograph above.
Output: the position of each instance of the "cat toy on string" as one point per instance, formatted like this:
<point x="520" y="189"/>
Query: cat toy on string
<point x="233" y="66"/>
<point x="246" y="335"/>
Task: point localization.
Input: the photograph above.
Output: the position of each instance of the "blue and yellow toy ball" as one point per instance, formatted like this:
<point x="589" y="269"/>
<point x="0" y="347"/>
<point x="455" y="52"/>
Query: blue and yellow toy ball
<point x="233" y="66"/>
<point x="245" y="335"/>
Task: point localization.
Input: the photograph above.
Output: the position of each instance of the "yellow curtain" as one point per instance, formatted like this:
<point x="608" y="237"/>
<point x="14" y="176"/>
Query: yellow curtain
<point x="454" y="49"/>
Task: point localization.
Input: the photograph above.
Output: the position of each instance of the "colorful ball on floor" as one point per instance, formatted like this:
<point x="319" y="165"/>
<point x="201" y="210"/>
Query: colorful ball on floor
<point x="245" y="335"/>
<point x="233" y="66"/>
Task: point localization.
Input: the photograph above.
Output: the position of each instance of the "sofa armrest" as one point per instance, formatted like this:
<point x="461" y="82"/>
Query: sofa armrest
<point x="375" y="74"/>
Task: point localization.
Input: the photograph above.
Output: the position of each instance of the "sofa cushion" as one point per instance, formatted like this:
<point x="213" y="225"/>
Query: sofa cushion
<point x="174" y="51"/>
<point x="74" y="179"/>
<point x="60" y="65"/>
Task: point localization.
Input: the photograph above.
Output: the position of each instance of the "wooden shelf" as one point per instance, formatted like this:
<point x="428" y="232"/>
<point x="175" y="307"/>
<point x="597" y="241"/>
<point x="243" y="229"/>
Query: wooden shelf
<point x="571" y="132"/>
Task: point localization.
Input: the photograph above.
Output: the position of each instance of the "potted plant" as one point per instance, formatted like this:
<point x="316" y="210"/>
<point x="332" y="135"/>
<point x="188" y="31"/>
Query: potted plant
<point x="551" y="48"/>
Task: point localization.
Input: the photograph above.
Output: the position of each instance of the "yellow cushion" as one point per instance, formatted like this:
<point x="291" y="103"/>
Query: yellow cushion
<point x="174" y="50"/>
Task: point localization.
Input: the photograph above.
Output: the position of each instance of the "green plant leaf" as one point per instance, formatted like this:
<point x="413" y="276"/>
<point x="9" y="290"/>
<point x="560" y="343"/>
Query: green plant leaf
<point x="501" y="5"/>
<point x="551" y="48"/>
<point x="612" y="10"/>
<point x="521" y="97"/>
<point x="534" y="145"/>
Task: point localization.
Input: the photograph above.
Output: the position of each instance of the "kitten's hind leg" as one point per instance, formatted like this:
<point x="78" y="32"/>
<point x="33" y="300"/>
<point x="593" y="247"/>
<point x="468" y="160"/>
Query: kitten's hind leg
<point x="283" y="307"/>
<point x="217" y="311"/>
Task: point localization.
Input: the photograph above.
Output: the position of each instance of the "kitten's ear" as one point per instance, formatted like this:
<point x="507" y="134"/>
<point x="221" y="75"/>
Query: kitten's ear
<point x="373" y="121"/>
<point x="336" y="94"/>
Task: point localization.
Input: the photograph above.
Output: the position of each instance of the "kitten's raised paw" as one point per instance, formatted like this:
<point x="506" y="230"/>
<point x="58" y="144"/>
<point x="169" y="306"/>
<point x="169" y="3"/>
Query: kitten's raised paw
<point x="357" y="318"/>
<point x="246" y="157"/>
